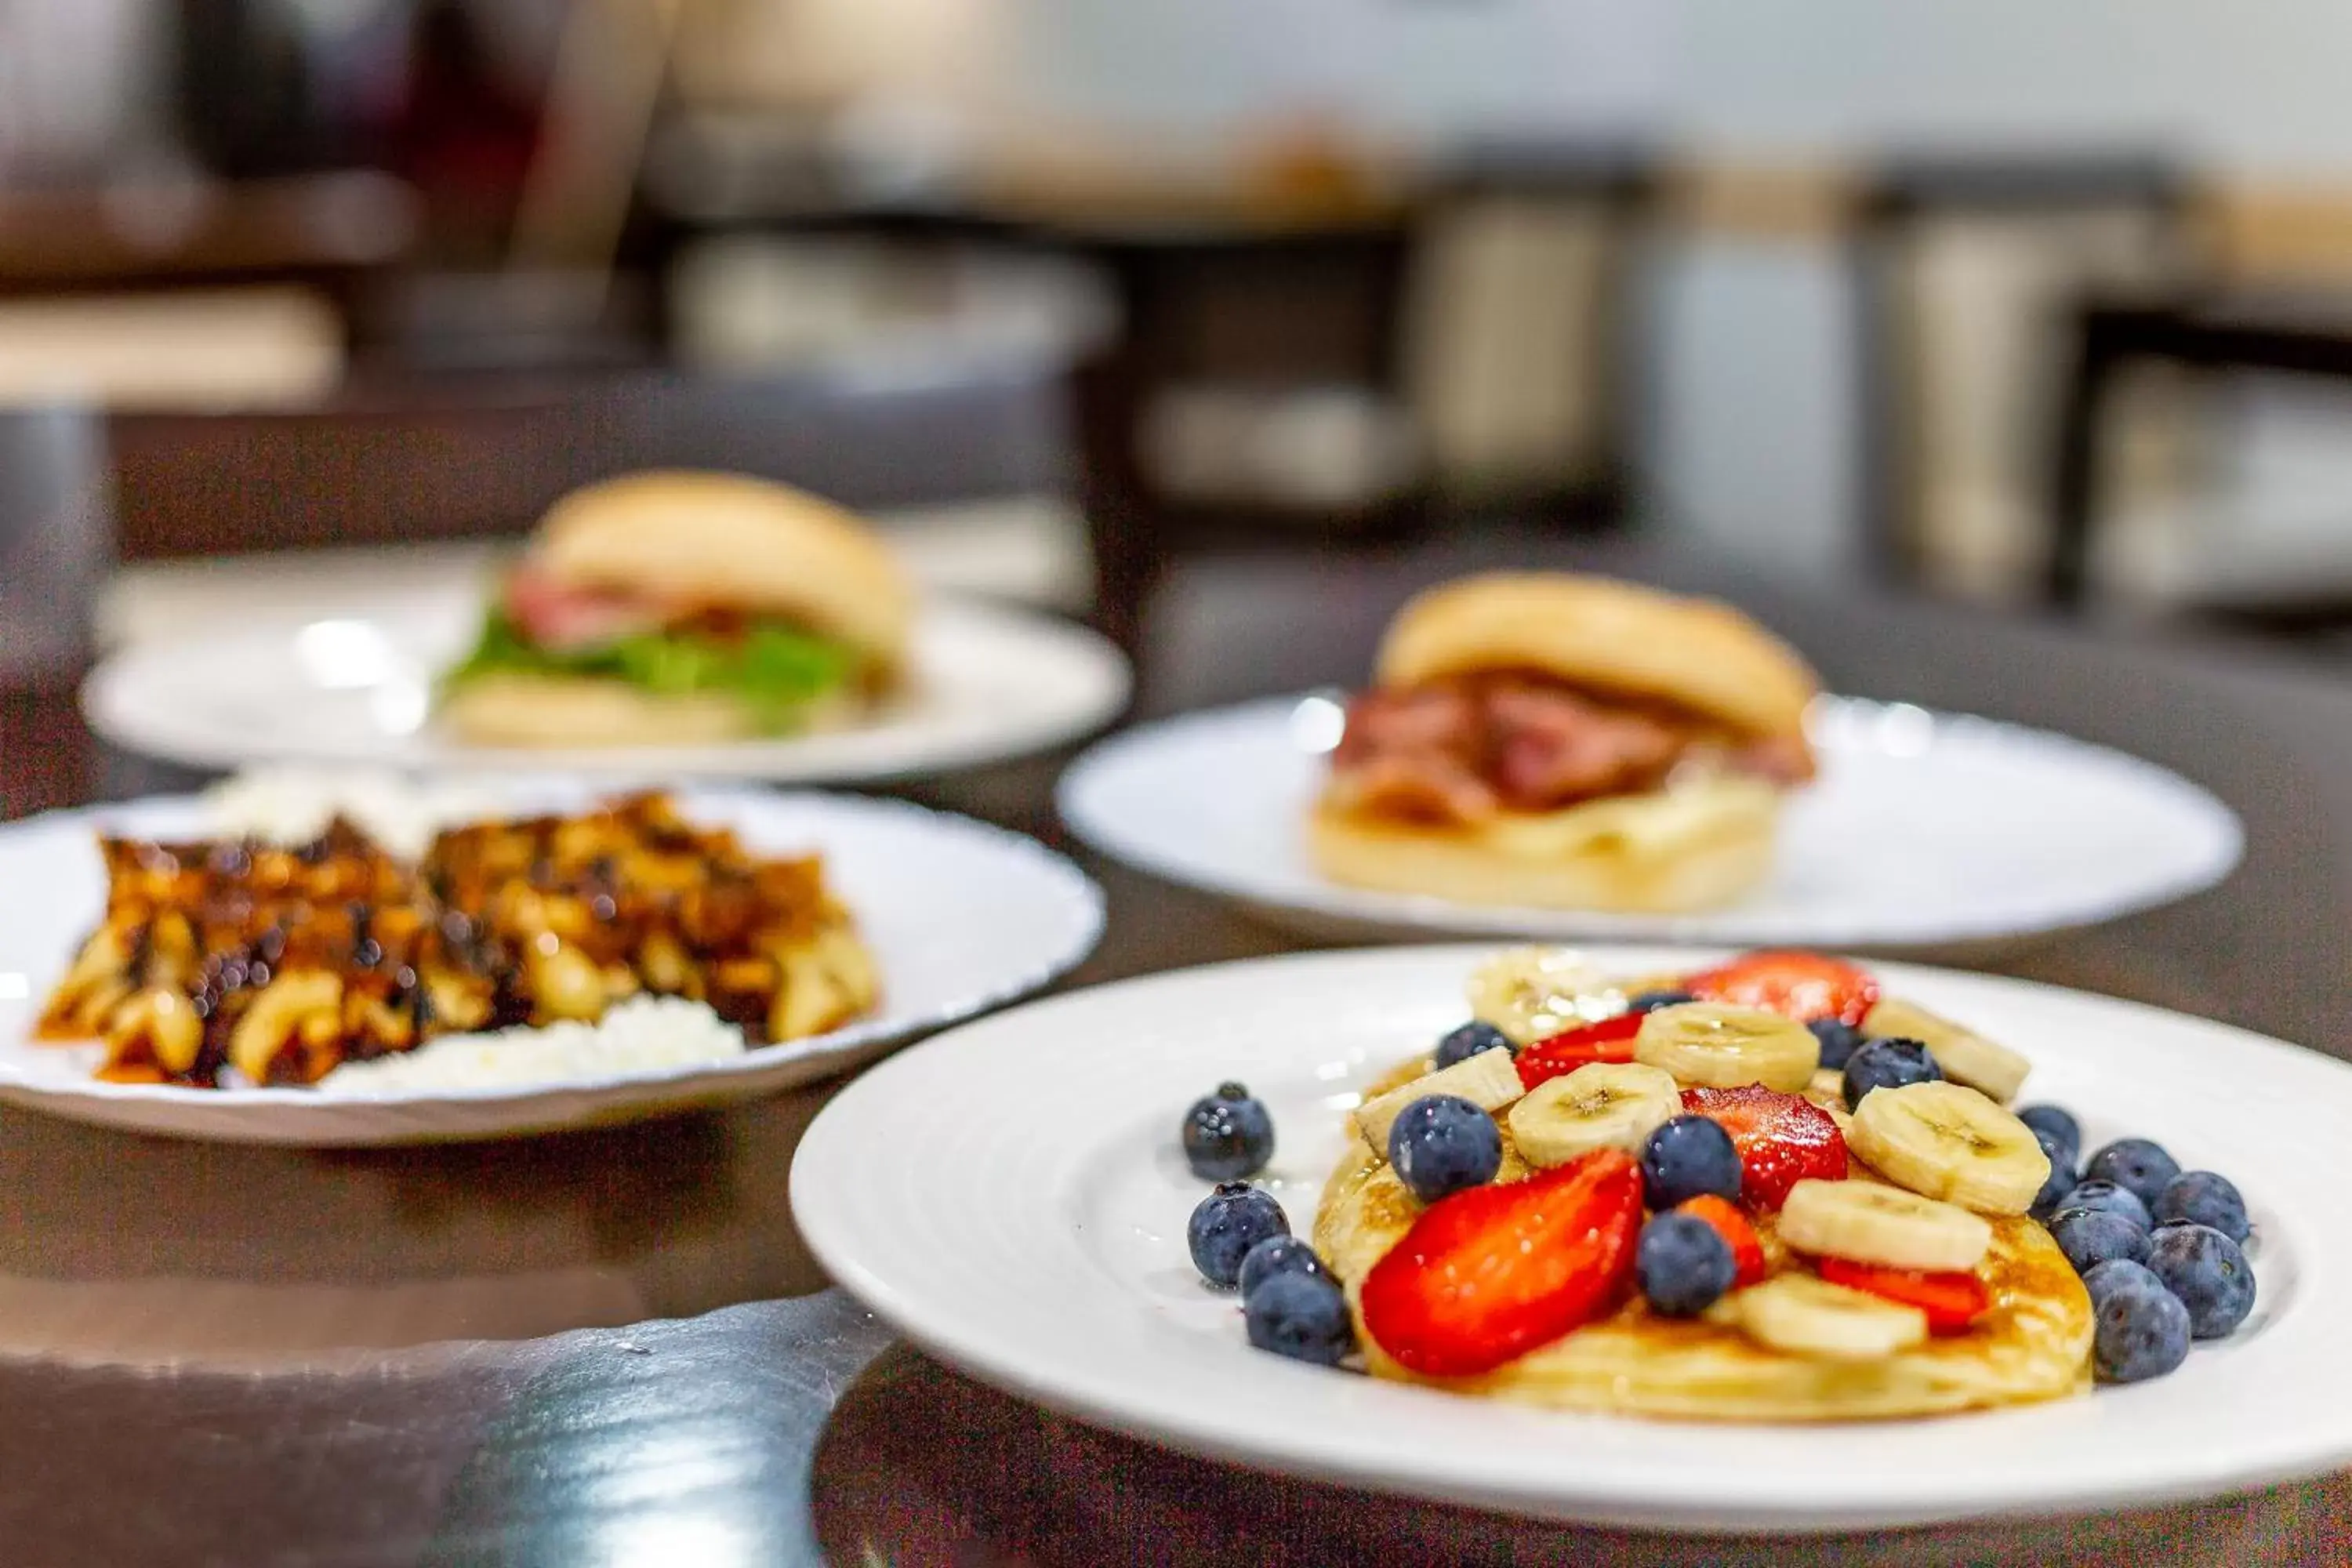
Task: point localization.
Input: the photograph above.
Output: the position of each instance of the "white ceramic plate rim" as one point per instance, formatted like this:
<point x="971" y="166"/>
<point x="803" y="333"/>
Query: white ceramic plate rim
<point x="891" y="747"/>
<point x="844" y="1044"/>
<point x="1313" y="1423"/>
<point x="1361" y="913"/>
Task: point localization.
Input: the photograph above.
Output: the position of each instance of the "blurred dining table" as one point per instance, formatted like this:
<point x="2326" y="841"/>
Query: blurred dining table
<point x="611" y="1347"/>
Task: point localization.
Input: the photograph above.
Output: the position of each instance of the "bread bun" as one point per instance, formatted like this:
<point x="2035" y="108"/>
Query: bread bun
<point x="727" y="539"/>
<point x="567" y="711"/>
<point x="1604" y="636"/>
<point x="1695" y="847"/>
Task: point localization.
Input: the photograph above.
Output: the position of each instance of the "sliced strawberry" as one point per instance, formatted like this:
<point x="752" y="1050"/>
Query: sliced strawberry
<point x="1610" y="1040"/>
<point x="1951" y="1300"/>
<point x="1804" y="985"/>
<point x="1783" y="1138"/>
<point x="1733" y="1227"/>
<point x="1491" y="1273"/>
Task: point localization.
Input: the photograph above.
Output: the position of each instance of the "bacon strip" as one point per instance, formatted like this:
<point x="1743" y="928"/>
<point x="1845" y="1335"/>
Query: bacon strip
<point x="1459" y="750"/>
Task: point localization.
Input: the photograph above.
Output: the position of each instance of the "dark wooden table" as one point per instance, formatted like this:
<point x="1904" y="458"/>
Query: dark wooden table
<point x="612" y="1348"/>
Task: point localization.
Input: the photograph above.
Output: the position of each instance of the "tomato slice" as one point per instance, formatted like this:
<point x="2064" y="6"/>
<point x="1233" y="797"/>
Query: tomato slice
<point x="1804" y="985"/>
<point x="1951" y="1300"/>
<point x="1610" y="1040"/>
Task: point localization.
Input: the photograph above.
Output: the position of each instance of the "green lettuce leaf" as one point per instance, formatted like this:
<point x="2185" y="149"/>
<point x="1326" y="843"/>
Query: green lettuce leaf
<point x="775" y="669"/>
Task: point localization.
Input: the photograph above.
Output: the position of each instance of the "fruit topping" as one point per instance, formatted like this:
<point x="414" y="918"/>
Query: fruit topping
<point x="1783" y="1138"/>
<point x="1442" y="1143"/>
<point x="1944" y="1141"/>
<point x="2202" y="1197"/>
<point x="1491" y="1273"/>
<point x="1887" y="1064"/>
<point x="1951" y="1298"/>
<point x="1747" y="1251"/>
<point x="1228" y="1135"/>
<point x="1284" y="1253"/>
<point x="1721" y="1047"/>
<point x="1486" y="1081"/>
<point x="2108" y="1196"/>
<point x="1602" y="1105"/>
<point x="1838" y="1041"/>
<point x="1809" y="1317"/>
<point x="1650" y="1001"/>
<point x="1226" y="1224"/>
<point x="2142" y="1328"/>
<point x="1530" y="993"/>
<point x="1803" y="985"/>
<point x="2062" y="1175"/>
<point x="1865" y="1222"/>
<point x="1468" y="1041"/>
<point x="1992" y="1069"/>
<point x="2208" y="1272"/>
<point x="2136" y="1163"/>
<point x="1610" y="1040"/>
<point x="1302" y="1316"/>
<point x="2059" y="1123"/>
<point x="1687" y="1156"/>
<point x="2092" y="1237"/>
<point x="1684" y="1264"/>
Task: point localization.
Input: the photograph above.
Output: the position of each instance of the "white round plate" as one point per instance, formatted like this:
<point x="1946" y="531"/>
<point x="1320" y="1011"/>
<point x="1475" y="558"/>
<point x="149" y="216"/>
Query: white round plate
<point x="1923" y="830"/>
<point x="989" y="683"/>
<point x="1012" y="1196"/>
<point x="961" y="917"/>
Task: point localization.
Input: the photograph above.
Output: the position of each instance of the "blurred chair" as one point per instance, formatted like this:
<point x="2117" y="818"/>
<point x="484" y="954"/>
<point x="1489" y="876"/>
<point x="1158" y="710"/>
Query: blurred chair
<point x="1966" y="271"/>
<point x="54" y="547"/>
<point x="2266" y="541"/>
<point x="1365" y="374"/>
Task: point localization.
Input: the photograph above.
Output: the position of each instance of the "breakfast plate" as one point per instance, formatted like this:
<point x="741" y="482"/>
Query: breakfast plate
<point x="1923" y="830"/>
<point x="1029" y="1223"/>
<point x="955" y="916"/>
<point x="988" y="683"/>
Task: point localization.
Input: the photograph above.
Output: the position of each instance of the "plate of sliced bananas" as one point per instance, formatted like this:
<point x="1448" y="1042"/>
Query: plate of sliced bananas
<point x="325" y="959"/>
<point x="1763" y="1241"/>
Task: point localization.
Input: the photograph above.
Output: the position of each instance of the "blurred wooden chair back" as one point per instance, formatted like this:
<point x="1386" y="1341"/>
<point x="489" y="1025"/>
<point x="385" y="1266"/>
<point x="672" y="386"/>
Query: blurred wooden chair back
<point x="1968" y="274"/>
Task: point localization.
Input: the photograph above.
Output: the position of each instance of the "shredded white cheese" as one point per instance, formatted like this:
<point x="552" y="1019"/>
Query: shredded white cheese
<point x="639" y="1034"/>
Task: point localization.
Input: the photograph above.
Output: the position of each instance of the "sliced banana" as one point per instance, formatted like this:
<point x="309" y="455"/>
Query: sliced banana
<point x="1809" y="1317"/>
<point x="1533" y="992"/>
<point x="1705" y="1043"/>
<point x="1964" y="1056"/>
<point x="1601" y="1105"/>
<point x="1486" y="1081"/>
<point x="1947" y="1141"/>
<point x="1873" y="1224"/>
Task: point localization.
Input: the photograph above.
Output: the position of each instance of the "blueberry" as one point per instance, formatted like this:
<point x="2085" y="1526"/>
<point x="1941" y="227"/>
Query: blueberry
<point x="1838" y="1041"/>
<point x="2108" y="1196"/>
<point x="1228" y="1135"/>
<point x="2207" y="1272"/>
<point x="2105" y="1275"/>
<point x="2062" y="1172"/>
<point x="1226" y="1224"/>
<point x="2202" y="1197"/>
<point x="1302" y="1316"/>
<point x="2143" y="1329"/>
<point x="1887" y="1064"/>
<point x="2092" y="1237"/>
<point x="1468" y="1041"/>
<point x="2136" y="1163"/>
<point x="1650" y="1001"/>
<point x="1685" y="1157"/>
<point x="2060" y="1124"/>
<point x="1684" y="1264"/>
<point x="1442" y="1143"/>
<point x="1284" y="1253"/>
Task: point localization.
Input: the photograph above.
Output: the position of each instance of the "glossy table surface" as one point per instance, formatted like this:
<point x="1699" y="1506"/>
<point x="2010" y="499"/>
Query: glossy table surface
<point x="612" y="1348"/>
